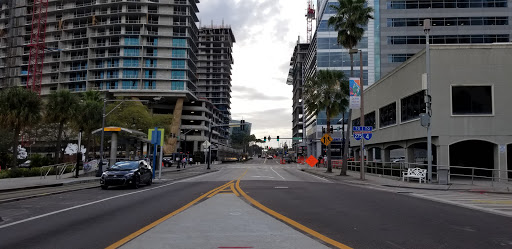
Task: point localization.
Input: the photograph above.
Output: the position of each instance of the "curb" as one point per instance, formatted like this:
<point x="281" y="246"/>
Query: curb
<point x="72" y="190"/>
<point x="408" y="187"/>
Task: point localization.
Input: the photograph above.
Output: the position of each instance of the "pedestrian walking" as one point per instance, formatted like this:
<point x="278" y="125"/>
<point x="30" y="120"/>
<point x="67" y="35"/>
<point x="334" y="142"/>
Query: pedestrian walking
<point x="178" y="162"/>
<point x="190" y="161"/>
<point x="184" y="161"/>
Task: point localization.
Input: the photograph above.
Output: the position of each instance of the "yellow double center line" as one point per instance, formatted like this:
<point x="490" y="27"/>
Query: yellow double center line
<point x="248" y="198"/>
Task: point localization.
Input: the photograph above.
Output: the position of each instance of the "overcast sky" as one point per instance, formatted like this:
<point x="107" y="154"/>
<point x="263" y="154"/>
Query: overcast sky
<point x="266" y="32"/>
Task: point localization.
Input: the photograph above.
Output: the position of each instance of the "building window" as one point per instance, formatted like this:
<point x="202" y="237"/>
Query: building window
<point x="179" y="42"/>
<point x="179" y="53"/>
<point x="131" y="52"/>
<point x="178" y="85"/>
<point x="399" y="57"/>
<point x="422" y="4"/>
<point x="448" y="39"/>
<point x="369" y="119"/>
<point x="131" y="41"/>
<point x="412" y="106"/>
<point x="468" y="100"/>
<point x="448" y="21"/>
<point x="178" y="75"/>
<point x="356" y="122"/>
<point x="178" y="64"/>
<point x="387" y="115"/>
<point x="130" y="62"/>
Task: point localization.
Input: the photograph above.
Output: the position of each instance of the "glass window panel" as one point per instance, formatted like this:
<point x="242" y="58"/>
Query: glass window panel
<point x="387" y="115"/>
<point x="471" y="100"/>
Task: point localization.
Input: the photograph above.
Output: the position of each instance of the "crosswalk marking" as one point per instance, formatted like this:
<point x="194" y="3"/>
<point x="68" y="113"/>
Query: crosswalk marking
<point x="494" y="203"/>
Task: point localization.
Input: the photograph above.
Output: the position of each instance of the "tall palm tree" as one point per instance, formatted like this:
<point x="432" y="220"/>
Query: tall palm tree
<point x="90" y="108"/>
<point x="19" y="109"/>
<point x="326" y="91"/>
<point x="61" y="109"/>
<point x="350" y="18"/>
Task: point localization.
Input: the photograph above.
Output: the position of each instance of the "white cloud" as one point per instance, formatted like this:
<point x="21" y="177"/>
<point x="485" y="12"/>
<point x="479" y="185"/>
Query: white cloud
<point x="266" y="32"/>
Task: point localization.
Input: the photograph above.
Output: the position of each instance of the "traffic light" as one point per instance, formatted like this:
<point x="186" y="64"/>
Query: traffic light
<point x="269" y="138"/>
<point x="332" y="130"/>
<point x="265" y="139"/>
<point x="323" y="130"/>
<point x="278" y="138"/>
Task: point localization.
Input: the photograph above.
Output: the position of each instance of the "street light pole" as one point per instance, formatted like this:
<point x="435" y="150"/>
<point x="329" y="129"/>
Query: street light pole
<point x="428" y="107"/>
<point x="100" y="166"/>
<point x="362" y="113"/>
<point x="210" y="143"/>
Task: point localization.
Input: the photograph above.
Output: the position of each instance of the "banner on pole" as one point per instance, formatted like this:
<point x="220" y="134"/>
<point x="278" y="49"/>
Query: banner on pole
<point x="355" y="93"/>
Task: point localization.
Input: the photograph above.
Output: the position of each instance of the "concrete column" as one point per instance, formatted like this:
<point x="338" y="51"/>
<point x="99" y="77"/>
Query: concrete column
<point x="171" y="143"/>
<point x="370" y="154"/>
<point x="500" y="163"/>
<point x="443" y="155"/>
<point x="318" y="148"/>
<point x="196" y="144"/>
<point x="409" y="155"/>
<point x="385" y="155"/>
<point x="113" y="149"/>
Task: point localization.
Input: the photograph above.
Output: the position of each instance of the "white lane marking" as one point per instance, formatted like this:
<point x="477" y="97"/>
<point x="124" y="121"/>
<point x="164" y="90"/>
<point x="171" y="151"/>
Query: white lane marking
<point x="92" y="203"/>
<point x="314" y="176"/>
<point x="280" y="187"/>
<point x="277" y="173"/>
<point x="264" y="176"/>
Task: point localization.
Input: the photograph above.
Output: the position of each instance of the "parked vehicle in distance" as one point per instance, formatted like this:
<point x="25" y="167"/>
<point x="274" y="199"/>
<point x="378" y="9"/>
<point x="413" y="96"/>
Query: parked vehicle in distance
<point x="26" y="164"/>
<point x="127" y="173"/>
<point x="167" y="160"/>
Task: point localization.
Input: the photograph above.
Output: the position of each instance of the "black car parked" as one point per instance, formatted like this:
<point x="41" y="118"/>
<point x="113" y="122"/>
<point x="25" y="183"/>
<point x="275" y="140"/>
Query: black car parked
<point x="127" y="173"/>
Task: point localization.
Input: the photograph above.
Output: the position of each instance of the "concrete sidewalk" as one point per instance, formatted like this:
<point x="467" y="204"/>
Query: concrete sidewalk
<point x="388" y="181"/>
<point x="13" y="184"/>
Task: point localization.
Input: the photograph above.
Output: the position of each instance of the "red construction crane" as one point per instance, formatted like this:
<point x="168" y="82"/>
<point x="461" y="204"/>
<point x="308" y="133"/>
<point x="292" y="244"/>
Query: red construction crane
<point x="310" y="16"/>
<point x="37" y="45"/>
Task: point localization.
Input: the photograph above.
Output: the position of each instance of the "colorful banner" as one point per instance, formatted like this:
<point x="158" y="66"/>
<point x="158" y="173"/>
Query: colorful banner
<point x="355" y="93"/>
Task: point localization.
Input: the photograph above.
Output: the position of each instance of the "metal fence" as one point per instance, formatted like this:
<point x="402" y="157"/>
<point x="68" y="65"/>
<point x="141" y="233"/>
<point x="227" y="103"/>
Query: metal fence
<point x="58" y="170"/>
<point x="472" y="175"/>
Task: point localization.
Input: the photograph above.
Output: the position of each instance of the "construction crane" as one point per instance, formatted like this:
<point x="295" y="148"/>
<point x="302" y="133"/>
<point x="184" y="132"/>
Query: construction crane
<point x="37" y="45"/>
<point x="310" y="16"/>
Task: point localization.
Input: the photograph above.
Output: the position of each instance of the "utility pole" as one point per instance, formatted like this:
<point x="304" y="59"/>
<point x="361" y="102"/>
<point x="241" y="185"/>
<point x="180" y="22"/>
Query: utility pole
<point x="428" y="102"/>
<point x="210" y="145"/>
<point x="362" y="113"/>
<point x="100" y="166"/>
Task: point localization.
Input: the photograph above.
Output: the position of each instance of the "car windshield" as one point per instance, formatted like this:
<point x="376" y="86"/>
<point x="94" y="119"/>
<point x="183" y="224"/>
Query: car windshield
<point x="124" y="166"/>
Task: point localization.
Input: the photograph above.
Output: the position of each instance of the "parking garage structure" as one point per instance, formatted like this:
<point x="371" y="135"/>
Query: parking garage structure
<point x="470" y="91"/>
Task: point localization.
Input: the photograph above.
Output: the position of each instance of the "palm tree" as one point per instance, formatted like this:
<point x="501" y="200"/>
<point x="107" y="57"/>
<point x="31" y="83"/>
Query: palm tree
<point x="61" y="109"/>
<point x="90" y="107"/>
<point x="350" y="17"/>
<point x="326" y="91"/>
<point x="19" y="109"/>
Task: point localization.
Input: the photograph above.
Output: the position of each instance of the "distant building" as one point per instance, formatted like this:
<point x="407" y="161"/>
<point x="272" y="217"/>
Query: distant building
<point x="214" y="70"/>
<point x="295" y="79"/>
<point x="246" y="129"/>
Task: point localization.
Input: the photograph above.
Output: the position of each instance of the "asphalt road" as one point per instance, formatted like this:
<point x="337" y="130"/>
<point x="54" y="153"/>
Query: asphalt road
<point x="237" y="215"/>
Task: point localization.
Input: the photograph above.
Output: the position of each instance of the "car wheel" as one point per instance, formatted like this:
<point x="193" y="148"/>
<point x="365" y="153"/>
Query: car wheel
<point x="136" y="182"/>
<point x="150" y="181"/>
<point x="104" y="187"/>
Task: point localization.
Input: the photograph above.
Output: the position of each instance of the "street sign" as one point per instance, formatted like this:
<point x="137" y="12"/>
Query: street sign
<point x="358" y="136"/>
<point x="205" y="145"/>
<point x="312" y="161"/>
<point x="362" y="128"/>
<point x="367" y="136"/>
<point x="296" y="138"/>
<point x="326" y="139"/>
<point x="156" y="137"/>
<point x="338" y="139"/>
